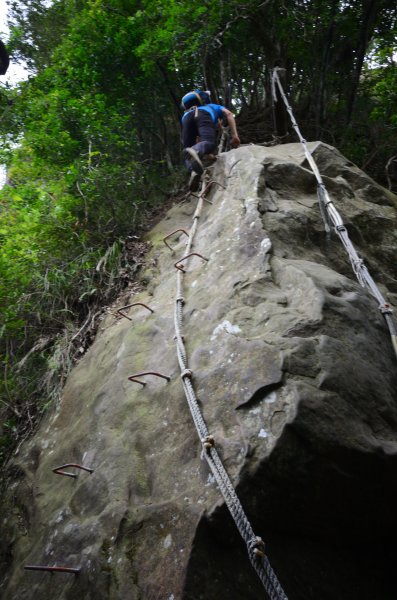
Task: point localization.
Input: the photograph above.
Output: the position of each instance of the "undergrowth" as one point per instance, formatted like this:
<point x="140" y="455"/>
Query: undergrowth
<point x="61" y="267"/>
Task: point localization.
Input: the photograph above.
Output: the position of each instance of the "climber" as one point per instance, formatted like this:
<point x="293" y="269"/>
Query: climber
<point x="200" y="120"/>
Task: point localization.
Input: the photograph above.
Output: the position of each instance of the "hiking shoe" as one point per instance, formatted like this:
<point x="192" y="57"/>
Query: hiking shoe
<point x="194" y="182"/>
<point x="194" y="159"/>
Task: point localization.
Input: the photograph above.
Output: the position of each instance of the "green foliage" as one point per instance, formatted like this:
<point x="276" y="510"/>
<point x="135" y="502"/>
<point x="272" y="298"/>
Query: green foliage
<point x="79" y="179"/>
<point x="383" y="90"/>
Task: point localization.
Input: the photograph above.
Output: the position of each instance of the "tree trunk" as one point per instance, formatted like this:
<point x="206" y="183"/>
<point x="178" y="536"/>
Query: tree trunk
<point x="370" y="9"/>
<point x="169" y="87"/>
<point x="4" y="59"/>
<point x="280" y="115"/>
<point x="320" y="108"/>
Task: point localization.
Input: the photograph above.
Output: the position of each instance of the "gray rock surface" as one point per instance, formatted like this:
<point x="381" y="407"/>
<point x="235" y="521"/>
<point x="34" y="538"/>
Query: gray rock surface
<point x="296" y="377"/>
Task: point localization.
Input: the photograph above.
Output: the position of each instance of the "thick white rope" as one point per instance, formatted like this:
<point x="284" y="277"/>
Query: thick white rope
<point x="255" y="545"/>
<point x="331" y="215"/>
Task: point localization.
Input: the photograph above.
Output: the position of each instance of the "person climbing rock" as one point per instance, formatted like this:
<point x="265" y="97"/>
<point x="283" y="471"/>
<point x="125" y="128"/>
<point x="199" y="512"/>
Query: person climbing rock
<point x="200" y="120"/>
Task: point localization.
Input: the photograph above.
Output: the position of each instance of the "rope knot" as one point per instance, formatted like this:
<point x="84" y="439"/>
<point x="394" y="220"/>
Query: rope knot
<point x="179" y="337"/>
<point x="187" y="373"/>
<point x="208" y="442"/>
<point x="385" y="309"/>
<point x="257" y="546"/>
<point x="180" y="299"/>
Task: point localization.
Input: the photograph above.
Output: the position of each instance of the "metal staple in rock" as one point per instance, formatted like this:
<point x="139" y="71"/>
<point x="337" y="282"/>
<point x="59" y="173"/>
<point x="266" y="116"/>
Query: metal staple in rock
<point x="331" y="216"/>
<point x="257" y="557"/>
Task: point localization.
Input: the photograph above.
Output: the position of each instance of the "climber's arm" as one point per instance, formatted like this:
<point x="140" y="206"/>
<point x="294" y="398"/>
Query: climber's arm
<point x="233" y="128"/>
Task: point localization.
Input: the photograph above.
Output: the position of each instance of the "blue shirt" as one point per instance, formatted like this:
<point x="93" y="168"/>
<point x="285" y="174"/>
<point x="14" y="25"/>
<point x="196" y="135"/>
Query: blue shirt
<point x="215" y="110"/>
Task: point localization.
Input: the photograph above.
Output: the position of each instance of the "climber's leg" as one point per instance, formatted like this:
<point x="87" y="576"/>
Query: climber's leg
<point x="207" y="133"/>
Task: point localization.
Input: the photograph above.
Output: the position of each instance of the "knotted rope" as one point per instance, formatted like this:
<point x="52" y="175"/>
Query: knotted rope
<point x="331" y="216"/>
<point x="254" y="543"/>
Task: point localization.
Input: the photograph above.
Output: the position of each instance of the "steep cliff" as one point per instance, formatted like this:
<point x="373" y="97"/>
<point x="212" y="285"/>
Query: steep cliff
<point x="296" y="378"/>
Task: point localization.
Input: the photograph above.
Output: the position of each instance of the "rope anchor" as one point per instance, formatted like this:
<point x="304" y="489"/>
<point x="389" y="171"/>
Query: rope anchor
<point x="133" y="377"/>
<point x="129" y="306"/>
<point x="178" y="262"/>
<point x="187" y="373"/>
<point x="171" y="234"/>
<point x="55" y="569"/>
<point x="60" y="471"/>
<point x="208" y="442"/>
<point x="385" y="309"/>
<point x="257" y="547"/>
<point x="208" y="187"/>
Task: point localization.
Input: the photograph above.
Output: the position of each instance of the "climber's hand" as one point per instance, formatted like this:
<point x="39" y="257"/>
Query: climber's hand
<point x="235" y="141"/>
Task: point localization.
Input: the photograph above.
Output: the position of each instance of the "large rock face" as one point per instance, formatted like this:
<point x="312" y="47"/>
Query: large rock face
<point x="297" y="380"/>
